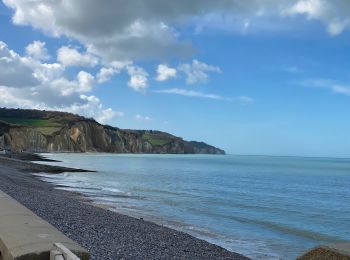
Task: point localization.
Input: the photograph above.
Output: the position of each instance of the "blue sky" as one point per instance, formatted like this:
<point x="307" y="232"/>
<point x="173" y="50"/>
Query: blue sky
<point x="266" y="78"/>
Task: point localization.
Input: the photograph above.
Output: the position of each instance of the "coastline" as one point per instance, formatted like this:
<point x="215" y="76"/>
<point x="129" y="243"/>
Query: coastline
<point x="106" y="234"/>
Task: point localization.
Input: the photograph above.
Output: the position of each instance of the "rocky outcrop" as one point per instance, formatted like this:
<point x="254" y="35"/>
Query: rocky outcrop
<point x="72" y="133"/>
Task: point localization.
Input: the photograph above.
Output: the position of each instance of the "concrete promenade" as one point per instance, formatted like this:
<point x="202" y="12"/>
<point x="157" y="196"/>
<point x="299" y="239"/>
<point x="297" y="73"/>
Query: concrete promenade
<point x="23" y="235"/>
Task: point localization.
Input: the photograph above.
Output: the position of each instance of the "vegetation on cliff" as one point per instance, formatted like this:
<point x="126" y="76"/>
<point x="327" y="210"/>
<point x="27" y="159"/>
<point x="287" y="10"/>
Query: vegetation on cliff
<point x="50" y="131"/>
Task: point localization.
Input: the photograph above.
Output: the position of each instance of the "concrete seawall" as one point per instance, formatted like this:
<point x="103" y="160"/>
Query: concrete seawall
<point x="25" y="236"/>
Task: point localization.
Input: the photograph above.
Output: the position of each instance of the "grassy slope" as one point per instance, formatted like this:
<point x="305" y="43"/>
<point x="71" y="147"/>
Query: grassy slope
<point x="45" y="126"/>
<point x="157" y="138"/>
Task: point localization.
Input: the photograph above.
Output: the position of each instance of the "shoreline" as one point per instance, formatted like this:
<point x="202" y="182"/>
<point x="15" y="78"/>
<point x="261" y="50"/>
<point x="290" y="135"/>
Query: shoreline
<point x="105" y="233"/>
<point x="25" y="164"/>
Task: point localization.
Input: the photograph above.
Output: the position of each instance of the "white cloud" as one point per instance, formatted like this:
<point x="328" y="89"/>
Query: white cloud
<point x="88" y="106"/>
<point x="190" y="93"/>
<point x="112" y="68"/>
<point x="37" y="50"/>
<point x="310" y="7"/>
<point x="245" y="100"/>
<point x="47" y="72"/>
<point x="107" y="115"/>
<point x="105" y="74"/>
<point x="164" y="72"/>
<point x="83" y="83"/>
<point x="72" y="57"/>
<point x="120" y="64"/>
<point x="197" y="72"/>
<point x="9" y="97"/>
<point x="139" y="117"/>
<point x="94" y="108"/>
<point x="138" y="78"/>
<point x="330" y="84"/>
<point x="260" y="19"/>
<point x="334" y="13"/>
<point x="114" y="30"/>
<point x="15" y="70"/>
<point x="44" y="86"/>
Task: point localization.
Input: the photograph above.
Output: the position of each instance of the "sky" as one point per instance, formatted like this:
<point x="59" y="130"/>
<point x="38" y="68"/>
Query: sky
<point x="252" y="77"/>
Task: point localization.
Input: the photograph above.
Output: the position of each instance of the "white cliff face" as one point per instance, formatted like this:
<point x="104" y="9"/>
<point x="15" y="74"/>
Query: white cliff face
<point x="77" y="134"/>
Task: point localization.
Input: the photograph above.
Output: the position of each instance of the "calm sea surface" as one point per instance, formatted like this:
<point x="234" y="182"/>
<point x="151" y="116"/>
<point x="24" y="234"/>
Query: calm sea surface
<point x="263" y="207"/>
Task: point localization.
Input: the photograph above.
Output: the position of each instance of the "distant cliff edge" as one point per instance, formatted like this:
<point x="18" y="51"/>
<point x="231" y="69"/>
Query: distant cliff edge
<point x="48" y="131"/>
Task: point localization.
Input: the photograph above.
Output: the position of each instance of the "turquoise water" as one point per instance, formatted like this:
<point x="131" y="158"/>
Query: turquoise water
<point x="263" y="207"/>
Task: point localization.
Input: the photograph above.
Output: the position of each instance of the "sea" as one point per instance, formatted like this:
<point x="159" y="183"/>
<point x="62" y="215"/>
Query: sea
<point x="263" y="207"/>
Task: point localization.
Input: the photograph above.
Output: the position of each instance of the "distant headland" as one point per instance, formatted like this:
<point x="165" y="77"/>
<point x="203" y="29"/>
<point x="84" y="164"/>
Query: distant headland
<point x="52" y="131"/>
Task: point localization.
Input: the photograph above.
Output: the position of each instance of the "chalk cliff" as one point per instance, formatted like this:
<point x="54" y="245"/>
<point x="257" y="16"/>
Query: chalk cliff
<point x="47" y="131"/>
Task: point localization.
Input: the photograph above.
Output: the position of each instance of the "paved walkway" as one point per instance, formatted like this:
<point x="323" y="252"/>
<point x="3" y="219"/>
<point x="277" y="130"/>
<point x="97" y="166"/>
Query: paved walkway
<point x="22" y="233"/>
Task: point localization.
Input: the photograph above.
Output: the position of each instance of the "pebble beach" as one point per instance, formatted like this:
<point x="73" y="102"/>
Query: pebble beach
<point x="106" y="234"/>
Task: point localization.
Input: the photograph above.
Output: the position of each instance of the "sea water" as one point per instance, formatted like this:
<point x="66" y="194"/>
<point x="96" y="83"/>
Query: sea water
<point x="263" y="207"/>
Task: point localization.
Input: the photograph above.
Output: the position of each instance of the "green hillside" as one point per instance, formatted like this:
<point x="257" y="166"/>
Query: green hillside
<point x="45" y="126"/>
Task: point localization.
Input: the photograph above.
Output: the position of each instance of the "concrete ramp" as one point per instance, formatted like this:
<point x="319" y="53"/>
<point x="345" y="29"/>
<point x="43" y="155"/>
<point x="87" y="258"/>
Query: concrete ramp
<point x="25" y="236"/>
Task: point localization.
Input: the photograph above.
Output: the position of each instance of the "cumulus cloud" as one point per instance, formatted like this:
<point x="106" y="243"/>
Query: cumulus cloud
<point x="88" y="106"/>
<point x="83" y="83"/>
<point x="334" y="13"/>
<point x="138" y="78"/>
<point x="114" y="67"/>
<point x="72" y="57"/>
<point x="12" y="65"/>
<point x="105" y="74"/>
<point x="113" y="31"/>
<point x="37" y="50"/>
<point x="164" y="72"/>
<point x="110" y="28"/>
<point x="94" y="108"/>
<point x="46" y="72"/>
<point x="197" y="72"/>
<point x="140" y="29"/>
<point x="45" y="86"/>
<point x="10" y="98"/>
